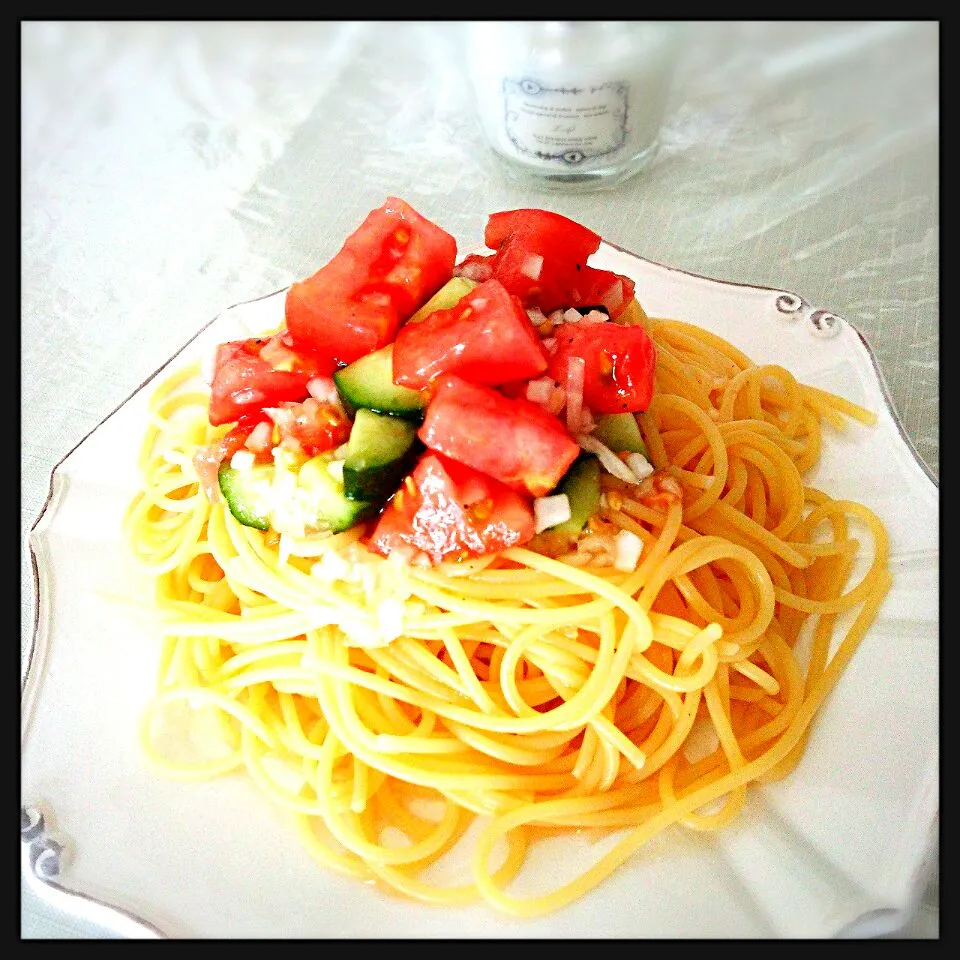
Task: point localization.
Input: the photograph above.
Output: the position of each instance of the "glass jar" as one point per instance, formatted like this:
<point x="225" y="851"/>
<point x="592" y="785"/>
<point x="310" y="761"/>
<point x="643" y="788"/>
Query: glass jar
<point x="572" y="105"/>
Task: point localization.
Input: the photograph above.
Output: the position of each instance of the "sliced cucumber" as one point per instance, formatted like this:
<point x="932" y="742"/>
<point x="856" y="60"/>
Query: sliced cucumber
<point x="581" y="484"/>
<point x="266" y="497"/>
<point x="323" y="499"/>
<point x="378" y="455"/>
<point x="619" y="431"/>
<point x="241" y="490"/>
<point x="449" y="295"/>
<point x="367" y="384"/>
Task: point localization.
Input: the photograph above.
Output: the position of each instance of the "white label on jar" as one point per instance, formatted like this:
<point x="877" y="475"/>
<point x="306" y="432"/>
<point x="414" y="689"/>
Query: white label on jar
<point x="565" y="124"/>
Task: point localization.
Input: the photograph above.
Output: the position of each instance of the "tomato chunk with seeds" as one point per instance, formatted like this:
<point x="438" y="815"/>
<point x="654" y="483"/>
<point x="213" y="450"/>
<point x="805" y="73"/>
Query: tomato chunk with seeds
<point x="486" y="338"/>
<point x="449" y="511"/>
<point x="618" y="364"/>
<point x="390" y="265"/>
<point x="509" y="438"/>
<point x="258" y="372"/>
<point x="314" y="426"/>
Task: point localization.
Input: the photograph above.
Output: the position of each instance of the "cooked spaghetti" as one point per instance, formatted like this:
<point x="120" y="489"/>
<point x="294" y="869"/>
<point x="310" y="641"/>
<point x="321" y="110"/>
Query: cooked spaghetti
<point x="387" y="707"/>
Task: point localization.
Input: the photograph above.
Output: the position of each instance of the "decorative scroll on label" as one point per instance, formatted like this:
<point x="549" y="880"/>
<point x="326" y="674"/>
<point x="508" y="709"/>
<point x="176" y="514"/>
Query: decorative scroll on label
<point x="565" y="124"/>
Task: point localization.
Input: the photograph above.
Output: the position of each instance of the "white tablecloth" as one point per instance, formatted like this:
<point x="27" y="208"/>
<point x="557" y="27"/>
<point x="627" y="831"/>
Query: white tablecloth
<point x="171" y="169"/>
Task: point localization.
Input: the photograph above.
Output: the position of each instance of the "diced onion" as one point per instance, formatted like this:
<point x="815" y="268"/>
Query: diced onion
<point x="323" y="389"/>
<point x="608" y="459"/>
<point x="558" y="400"/>
<point x="572" y="316"/>
<point x="261" y="436"/>
<point x="549" y="511"/>
<point x="278" y="355"/>
<point x="576" y="367"/>
<point x="335" y="469"/>
<point x="612" y="298"/>
<point x="390" y="618"/>
<point x="331" y="566"/>
<point x="540" y="390"/>
<point x="473" y="271"/>
<point x="536" y="315"/>
<point x="587" y="423"/>
<point x="595" y="316"/>
<point x="532" y="266"/>
<point x="242" y="460"/>
<point x="549" y="344"/>
<point x="640" y="465"/>
<point x="627" y="547"/>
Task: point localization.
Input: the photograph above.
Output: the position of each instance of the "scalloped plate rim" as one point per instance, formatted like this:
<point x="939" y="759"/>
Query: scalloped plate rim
<point x="93" y="909"/>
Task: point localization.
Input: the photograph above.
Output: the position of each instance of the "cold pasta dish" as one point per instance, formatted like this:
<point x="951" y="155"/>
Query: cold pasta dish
<point x="471" y="552"/>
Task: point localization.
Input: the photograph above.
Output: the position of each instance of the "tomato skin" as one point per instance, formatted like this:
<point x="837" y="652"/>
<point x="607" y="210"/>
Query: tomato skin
<point x="557" y="235"/>
<point x="391" y="264"/>
<point x="244" y="383"/>
<point x="509" y="438"/>
<point x="486" y="338"/>
<point x="450" y="511"/>
<point x="618" y="360"/>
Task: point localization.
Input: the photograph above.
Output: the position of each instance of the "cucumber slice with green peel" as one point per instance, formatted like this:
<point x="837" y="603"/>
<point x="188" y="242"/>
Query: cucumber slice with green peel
<point x="379" y="453"/>
<point x="449" y="295"/>
<point x="314" y="498"/>
<point x="581" y="484"/>
<point x="239" y="491"/>
<point x="619" y="431"/>
<point x="323" y="500"/>
<point x="367" y="384"/>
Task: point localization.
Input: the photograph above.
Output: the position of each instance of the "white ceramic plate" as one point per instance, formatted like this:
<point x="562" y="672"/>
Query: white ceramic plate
<point x="842" y="847"/>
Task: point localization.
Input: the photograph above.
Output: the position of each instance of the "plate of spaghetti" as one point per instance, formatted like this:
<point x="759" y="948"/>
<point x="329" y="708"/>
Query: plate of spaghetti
<point x="542" y="591"/>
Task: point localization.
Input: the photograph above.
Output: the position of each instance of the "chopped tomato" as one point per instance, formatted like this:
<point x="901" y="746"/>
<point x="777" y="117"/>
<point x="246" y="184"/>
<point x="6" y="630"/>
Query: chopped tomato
<point x="255" y="373"/>
<point x="512" y="439"/>
<point x="282" y="354"/>
<point x="390" y="265"/>
<point x="449" y="511"/>
<point x="602" y="288"/>
<point x="560" y="236"/>
<point x="618" y="364"/>
<point x="486" y="338"/>
<point x="541" y="257"/>
<point x="315" y="426"/>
